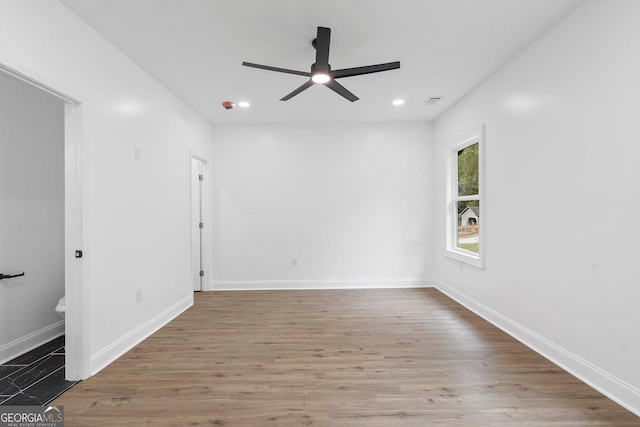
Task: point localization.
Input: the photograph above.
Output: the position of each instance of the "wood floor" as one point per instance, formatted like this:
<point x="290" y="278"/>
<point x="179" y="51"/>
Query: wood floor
<point x="410" y="357"/>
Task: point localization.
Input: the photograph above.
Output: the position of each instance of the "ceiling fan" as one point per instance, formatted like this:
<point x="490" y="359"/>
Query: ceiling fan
<point x="321" y="71"/>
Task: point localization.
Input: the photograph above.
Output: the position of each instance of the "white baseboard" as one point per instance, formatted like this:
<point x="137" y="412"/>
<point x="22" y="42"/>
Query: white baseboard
<point x="614" y="388"/>
<point x="107" y="355"/>
<point x="27" y="343"/>
<point x="253" y="285"/>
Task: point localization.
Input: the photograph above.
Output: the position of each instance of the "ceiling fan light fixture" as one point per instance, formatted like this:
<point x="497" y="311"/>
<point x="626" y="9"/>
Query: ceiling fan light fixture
<point x="321" y="78"/>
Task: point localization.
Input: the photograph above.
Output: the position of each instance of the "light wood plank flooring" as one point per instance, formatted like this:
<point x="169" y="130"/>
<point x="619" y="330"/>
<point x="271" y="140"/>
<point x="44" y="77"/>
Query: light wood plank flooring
<point x="410" y="357"/>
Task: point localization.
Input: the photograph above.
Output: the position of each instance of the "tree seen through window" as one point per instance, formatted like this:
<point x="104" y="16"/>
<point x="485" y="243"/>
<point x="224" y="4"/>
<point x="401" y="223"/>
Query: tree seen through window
<point x="468" y="210"/>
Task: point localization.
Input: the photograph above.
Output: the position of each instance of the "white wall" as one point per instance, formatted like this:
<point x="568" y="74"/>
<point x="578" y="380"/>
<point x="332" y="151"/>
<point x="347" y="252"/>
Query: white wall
<point x="561" y="137"/>
<point x="350" y="201"/>
<point x="31" y="215"/>
<point x="137" y="212"/>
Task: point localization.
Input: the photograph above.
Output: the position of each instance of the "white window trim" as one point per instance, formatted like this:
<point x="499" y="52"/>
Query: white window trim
<point x="451" y="249"/>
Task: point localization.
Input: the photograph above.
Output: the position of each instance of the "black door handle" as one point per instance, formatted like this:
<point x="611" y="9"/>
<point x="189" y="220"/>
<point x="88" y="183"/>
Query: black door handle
<point x="9" y="276"/>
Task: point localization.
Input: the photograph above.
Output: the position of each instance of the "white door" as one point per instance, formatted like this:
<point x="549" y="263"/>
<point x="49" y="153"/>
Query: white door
<point x="197" y="223"/>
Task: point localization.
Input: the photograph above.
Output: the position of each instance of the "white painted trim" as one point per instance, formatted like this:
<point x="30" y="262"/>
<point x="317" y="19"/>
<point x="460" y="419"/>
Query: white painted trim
<point x="27" y="343"/>
<point x="36" y="79"/>
<point x="107" y="355"/>
<point x="614" y="388"/>
<point x="76" y="270"/>
<point x="465" y="256"/>
<point x="250" y="285"/>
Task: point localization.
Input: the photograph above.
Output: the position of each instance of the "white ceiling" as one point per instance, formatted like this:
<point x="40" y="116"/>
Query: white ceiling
<point x="196" y="48"/>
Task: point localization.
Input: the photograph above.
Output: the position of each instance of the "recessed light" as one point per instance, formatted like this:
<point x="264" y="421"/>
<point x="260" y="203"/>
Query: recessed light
<point x="244" y="104"/>
<point x="398" y="101"/>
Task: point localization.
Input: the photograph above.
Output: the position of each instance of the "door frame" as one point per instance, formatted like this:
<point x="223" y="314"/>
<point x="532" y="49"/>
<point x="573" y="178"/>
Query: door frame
<point x="77" y="350"/>
<point x="205" y="250"/>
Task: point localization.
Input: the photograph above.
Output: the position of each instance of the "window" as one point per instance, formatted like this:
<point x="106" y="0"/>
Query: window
<point x="464" y="199"/>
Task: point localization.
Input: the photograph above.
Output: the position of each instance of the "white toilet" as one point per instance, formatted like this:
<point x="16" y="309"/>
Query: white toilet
<point x="61" y="307"/>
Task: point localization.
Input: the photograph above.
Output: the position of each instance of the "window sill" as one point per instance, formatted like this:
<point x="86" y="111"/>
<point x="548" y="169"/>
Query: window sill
<point x="465" y="256"/>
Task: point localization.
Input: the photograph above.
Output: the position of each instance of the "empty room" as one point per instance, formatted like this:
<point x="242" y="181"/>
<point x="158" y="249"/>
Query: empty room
<point x="288" y="213"/>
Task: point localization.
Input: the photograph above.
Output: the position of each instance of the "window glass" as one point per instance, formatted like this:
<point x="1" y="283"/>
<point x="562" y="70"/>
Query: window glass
<point x="468" y="171"/>
<point x="468" y="237"/>
<point x="469" y="226"/>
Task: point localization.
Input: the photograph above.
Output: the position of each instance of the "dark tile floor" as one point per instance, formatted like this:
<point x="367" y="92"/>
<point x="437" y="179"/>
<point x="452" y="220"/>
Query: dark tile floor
<point x="36" y="377"/>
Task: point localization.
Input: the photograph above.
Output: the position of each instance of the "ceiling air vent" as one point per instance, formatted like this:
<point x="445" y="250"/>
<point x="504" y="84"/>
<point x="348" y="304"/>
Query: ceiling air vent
<point x="432" y="100"/>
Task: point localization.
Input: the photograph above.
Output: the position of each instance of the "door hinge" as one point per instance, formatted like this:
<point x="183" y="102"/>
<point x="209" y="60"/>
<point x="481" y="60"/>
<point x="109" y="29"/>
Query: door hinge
<point x="201" y="225"/>
<point x="201" y="273"/>
<point x="201" y="177"/>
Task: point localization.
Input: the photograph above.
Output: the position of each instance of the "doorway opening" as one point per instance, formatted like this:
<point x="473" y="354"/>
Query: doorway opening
<point x="200" y="272"/>
<point x="76" y="325"/>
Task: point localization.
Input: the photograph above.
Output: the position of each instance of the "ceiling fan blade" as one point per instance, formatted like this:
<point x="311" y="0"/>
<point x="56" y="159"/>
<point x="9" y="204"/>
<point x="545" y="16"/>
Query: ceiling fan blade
<point x="322" y="49"/>
<point x="305" y="86"/>
<point x="280" y="70"/>
<point x="357" y="71"/>
<point x="341" y="90"/>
